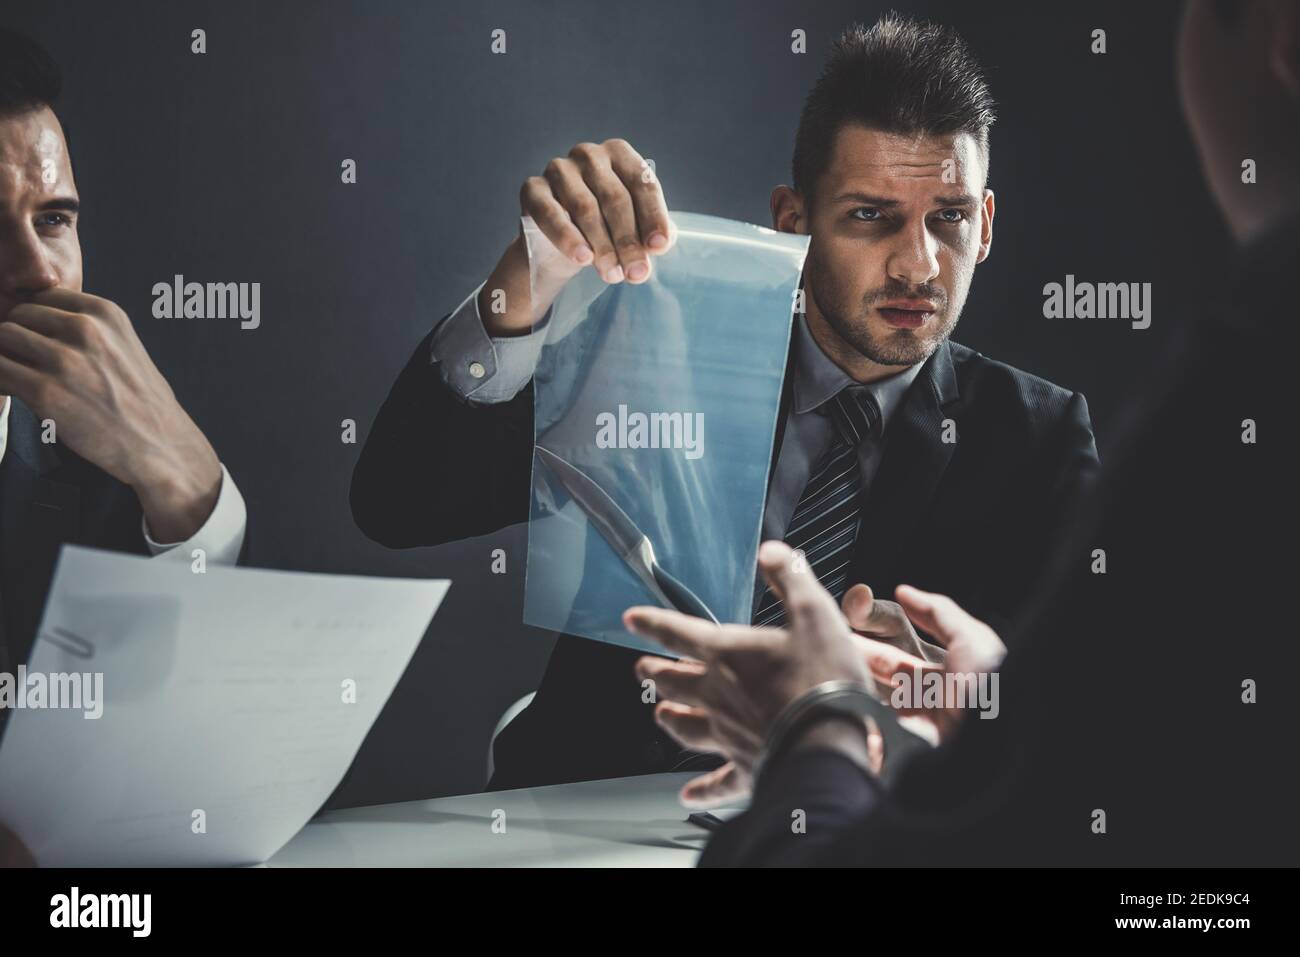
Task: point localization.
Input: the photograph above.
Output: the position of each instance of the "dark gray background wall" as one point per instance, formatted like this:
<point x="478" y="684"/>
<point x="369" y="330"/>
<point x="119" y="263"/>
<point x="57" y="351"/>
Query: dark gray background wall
<point x="225" y="167"/>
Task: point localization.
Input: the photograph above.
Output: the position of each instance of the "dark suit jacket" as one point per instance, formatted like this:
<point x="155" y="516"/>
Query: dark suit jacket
<point x="973" y="519"/>
<point x="49" y="496"/>
<point x="1124" y="693"/>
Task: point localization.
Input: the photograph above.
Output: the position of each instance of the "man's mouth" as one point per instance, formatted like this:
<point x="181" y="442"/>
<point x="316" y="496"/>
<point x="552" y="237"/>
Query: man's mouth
<point x="907" y="313"/>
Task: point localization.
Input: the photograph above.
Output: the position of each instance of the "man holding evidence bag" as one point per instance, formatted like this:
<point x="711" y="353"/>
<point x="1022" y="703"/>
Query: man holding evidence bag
<point x="900" y="455"/>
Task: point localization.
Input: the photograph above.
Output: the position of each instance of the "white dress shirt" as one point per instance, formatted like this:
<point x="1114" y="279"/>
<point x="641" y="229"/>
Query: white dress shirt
<point x="221" y="537"/>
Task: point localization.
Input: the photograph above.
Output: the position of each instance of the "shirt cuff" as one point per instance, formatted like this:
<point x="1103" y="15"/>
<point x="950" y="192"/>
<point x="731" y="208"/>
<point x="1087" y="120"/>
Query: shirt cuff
<point x="221" y="537"/>
<point x="478" y="367"/>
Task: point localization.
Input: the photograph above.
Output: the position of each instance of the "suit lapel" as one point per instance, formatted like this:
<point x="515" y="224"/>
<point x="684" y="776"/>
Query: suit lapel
<point x="37" y="514"/>
<point x="912" y="464"/>
<point x="783" y="409"/>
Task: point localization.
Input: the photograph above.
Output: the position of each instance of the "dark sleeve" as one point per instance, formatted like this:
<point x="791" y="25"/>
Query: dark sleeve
<point x="111" y="515"/>
<point x="1067" y="466"/>
<point x="1076" y="451"/>
<point x="805" y="811"/>
<point x="436" y="468"/>
<point x="1071" y="472"/>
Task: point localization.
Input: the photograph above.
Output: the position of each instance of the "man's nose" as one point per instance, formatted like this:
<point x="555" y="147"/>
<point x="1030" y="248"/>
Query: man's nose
<point x="914" y="258"/>
<point x="25" y="267"/>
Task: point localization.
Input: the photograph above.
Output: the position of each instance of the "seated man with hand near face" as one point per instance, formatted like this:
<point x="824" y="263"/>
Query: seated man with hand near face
<point x="127" y="469"/>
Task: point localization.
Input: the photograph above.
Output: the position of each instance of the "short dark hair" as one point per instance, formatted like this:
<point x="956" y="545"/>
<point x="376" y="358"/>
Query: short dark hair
<point x="899" y="76"/>
<point x="29" y="77"/>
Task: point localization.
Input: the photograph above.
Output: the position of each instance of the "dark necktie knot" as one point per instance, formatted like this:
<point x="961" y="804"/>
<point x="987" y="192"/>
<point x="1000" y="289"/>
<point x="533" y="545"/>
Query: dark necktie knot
<point x="856" y="414"/>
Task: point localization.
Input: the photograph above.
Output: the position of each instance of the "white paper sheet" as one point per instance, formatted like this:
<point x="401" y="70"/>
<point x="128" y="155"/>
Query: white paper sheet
<point x="225" y="703"/>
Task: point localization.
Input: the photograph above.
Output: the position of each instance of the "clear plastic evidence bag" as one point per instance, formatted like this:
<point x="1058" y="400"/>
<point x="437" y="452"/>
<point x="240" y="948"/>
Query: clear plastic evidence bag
<point x="655" y="415"/>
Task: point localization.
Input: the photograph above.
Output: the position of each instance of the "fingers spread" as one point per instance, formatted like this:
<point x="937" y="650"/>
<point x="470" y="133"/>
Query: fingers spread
<point x="675" y="681"/>
<point x="857" y="604"/>
<point x="683" y="634"/>
<point x="807" y="603"/>
<point x="688" y="726"/>
<point x="884" y="659"/>
<point x="649" y="666"/>
<point x="939" y="615"/>
<point x="719" y="786"/>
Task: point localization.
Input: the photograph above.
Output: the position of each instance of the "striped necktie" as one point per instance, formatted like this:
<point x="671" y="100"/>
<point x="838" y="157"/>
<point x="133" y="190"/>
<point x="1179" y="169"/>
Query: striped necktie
<point x="824" y="525"/>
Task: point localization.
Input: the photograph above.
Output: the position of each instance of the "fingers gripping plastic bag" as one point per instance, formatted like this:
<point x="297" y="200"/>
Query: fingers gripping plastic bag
<point x="655" y="415"/>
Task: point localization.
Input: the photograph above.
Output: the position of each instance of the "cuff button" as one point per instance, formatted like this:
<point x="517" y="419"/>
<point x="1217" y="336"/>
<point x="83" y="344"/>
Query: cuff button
<point x="476" y="370"/>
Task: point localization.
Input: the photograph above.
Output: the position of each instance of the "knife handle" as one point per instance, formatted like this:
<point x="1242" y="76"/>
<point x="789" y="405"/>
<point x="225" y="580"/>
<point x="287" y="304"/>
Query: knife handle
<point x="681" y="597"/>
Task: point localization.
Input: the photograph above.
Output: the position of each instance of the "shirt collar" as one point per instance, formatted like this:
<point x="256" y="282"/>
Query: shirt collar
<point x="817" y="378"/>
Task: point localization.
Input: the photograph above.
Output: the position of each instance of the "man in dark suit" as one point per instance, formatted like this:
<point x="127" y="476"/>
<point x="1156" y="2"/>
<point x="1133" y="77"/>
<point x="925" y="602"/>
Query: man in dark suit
<point x="899" y="456"/>
<point x="94" y="448"/>
<point x="1146" y="715"/>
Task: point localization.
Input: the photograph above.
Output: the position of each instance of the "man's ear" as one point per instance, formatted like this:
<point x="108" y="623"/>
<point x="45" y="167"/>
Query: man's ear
<point x="986" y="226"/>
<point x="1284" y="45"/>
<point x="788" y="211"/>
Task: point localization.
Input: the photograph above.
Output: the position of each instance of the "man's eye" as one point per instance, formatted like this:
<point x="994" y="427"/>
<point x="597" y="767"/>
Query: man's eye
<point x="951" y="215"/>
<point x="53" y="219"/>
<point x="870" y="214"/>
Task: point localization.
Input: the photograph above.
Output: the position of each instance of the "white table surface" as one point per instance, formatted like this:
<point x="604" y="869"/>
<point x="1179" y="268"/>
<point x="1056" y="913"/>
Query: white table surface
<point x="622" y="822"/>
